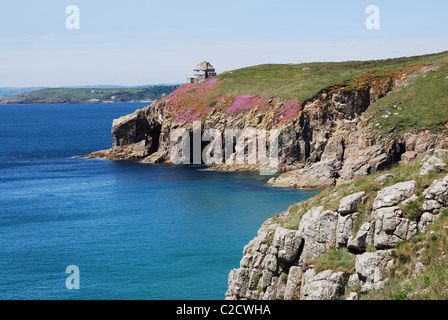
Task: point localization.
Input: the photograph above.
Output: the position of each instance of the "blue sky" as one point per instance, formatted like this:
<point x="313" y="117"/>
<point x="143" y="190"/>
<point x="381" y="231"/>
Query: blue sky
<point x="138" y="42"/>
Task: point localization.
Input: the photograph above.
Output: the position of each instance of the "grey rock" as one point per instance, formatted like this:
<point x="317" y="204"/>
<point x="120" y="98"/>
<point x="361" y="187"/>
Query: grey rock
<point x="439" y="153"/>
<point x="293" y="283"/>
<point x="438" y="191"/>
<point x="426" y="220"/>
<point x="430" y="205"/>
<point x="418" y="268"/>
<point x="327" y="285"/>
<point x="353" y="280"/>
<point x="288" y="243"/>
<point x="266" y="279"/>
<point x="270" y="261"/>
<point x="319" y="175"/>
<point x="413" y="229"/>
<point x="363" y="237"/>
<point x="345" y="229"/>
<point x="238" y="283"/>
<point x="384" y="179"/>
<point x="391" y="196"/>
<point x="318" y="228"/>
<point x="390" y="227"/>
<point x="370" y="266"/>
<point x="353" y="296"/>
<point x="271" y="292"/>
<point x="350" y="203"/>
<point x="409" y="200"/>
<point x="432" y="164"/>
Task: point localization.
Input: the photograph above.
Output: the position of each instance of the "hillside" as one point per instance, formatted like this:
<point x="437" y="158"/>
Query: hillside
<point x="90" y="95"/>
<point x="337" y="120"/>
<point x="373" y="135"/>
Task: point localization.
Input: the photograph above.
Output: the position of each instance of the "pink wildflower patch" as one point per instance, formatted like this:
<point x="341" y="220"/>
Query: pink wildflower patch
<point x="184" y="117"/>
<point x="290" y="109"/>
<point x="246" y="102"/>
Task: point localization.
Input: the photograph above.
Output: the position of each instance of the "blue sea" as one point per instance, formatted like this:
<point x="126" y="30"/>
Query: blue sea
<point x="135" y="231"/>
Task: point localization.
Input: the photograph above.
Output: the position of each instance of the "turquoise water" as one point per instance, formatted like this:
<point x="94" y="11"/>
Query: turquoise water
<point x="135" y="231"/>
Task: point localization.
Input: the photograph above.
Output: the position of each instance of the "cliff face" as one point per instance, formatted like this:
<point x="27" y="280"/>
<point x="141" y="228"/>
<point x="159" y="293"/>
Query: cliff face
<point x="322" y="140"/>
<point x="347" y="250"/>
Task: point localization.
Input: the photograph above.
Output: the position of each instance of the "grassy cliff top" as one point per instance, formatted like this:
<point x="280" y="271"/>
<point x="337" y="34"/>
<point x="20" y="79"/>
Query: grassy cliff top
<point x="303" y="81"/>
<point x="420" y="103"/>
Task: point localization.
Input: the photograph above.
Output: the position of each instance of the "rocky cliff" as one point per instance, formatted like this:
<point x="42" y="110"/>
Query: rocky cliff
<point x="323" y="139"/>
<point x="347" y="250"/>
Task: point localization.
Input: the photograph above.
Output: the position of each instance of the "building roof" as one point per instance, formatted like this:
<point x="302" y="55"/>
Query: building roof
<point x="204" y="66"/>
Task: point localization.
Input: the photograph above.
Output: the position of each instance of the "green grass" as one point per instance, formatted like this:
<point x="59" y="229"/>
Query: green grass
<point x="334" y="259"/>
<point x="414" y="210"/>
<point x="421" y="105"/>
<point x="303" y="81"/>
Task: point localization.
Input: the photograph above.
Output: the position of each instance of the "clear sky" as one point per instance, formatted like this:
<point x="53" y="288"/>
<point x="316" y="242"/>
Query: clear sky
<point x="136" y="42"/>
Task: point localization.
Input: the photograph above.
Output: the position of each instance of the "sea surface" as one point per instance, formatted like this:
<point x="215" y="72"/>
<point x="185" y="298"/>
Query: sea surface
<point x="135" y="231"/>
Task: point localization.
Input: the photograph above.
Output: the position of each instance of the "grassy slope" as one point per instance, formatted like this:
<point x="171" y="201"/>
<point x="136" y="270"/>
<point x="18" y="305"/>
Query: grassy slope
<point x="298" y="82"/>
<point x="303" y="81"/>
<point x="421" y="105"/>
<point x="82" y="95"/>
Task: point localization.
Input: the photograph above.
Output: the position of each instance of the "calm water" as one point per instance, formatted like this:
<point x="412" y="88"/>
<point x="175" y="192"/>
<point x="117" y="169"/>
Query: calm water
<point x="135" y="231"/>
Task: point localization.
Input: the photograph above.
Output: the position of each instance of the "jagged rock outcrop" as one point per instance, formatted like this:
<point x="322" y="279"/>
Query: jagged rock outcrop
<point x="326" y="285"/>
<point x="359" y="242"/>
<point x="350" y="203"/>
<point x="369" y="267"/>
<point x="276" y="263"/>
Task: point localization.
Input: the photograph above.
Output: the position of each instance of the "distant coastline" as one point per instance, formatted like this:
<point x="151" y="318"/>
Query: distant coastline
<point x="90" y="95"/>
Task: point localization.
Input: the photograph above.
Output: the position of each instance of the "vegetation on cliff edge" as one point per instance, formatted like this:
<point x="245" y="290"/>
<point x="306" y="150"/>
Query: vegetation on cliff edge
<point x="430" y="246"/>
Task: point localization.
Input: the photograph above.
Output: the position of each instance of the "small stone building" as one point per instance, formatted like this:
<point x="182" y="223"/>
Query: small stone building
<point x="203" y="70"/>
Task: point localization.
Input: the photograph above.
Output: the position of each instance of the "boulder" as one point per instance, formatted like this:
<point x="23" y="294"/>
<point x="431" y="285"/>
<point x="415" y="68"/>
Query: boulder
<point x="408" y="156"/>
<point x="288" y="243"/>
<point x="350" y="203"/>
<point x="326" y="285"/>
<point x="432" y="164"/>
<point x="353" y="296"/>
<point x="438" y="191"/>
<point x="393" y="195"/>
<point x="390" y="227"/>
<point x="345" y="229"/>
<point x="319" y="175"/>
<point x="293" y="283"/>
<point x="370" y="266"/>
<point x="318" y="229"/>
<point x="384" y="179"/>
<point x="238" y="283"/>
<point x="427" y="219"/>
<point x="362" y="238"/>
